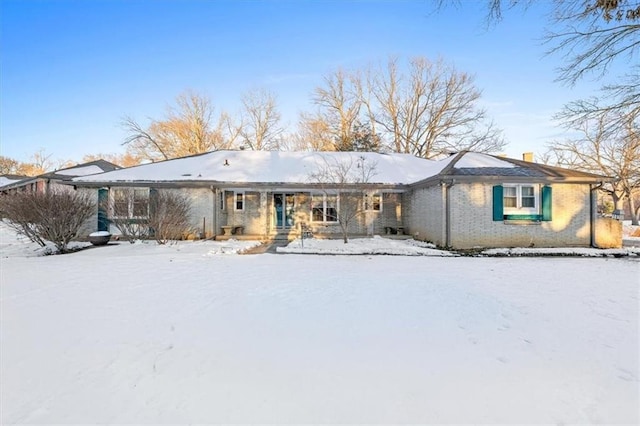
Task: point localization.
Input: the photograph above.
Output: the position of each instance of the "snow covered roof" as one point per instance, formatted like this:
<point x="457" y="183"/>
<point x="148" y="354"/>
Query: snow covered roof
<point x="92" y="167"/>
<point x="80" y="170"/>
<point x="9" y="179"/>
<point x="476" y="164"/>
<point x="287" y="167"/>
<point x="272" y="167"/>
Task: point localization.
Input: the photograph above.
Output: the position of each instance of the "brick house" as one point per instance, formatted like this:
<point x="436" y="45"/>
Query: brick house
<point x="46" y="181"/>
<point x="464" y="201"/>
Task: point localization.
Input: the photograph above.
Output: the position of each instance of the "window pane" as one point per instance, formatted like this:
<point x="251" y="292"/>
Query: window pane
<point x="120" y="203"/>
<point x="527" y="191"/>
<point x="528" y="202"/>
<point x="510" y="196"/>
<point x="317" y="208"/>
<point x="331" y="211"/>
<point x="332" y="214"/>
<point x="316" y="214"/>
<point x="239" y="201"/>
<point x="528" y="197"/>
<point x="510" y="191"/>
<point x="510" y="202"/>
<point x="140" y="203"/>
<point x="377" y="202"/>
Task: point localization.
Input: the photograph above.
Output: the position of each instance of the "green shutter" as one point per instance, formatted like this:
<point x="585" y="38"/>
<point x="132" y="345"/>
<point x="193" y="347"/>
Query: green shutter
<point x="103" y="199"/>
<point x="498" y="203"/>
<point x="546" y="203"/>
<point x="153" y="206"/>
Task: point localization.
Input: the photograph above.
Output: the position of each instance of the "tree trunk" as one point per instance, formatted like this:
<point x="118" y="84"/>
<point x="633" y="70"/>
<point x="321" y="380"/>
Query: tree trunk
<point x="635" y="211"/>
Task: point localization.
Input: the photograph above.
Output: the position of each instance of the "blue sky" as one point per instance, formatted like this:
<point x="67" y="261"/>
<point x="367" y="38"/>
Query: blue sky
<point x="72" y="69"/>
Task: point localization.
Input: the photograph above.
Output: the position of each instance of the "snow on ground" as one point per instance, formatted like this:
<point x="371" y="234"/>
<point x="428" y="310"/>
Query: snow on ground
<point x="375" y="245"/>
<point x="141" y="333"/>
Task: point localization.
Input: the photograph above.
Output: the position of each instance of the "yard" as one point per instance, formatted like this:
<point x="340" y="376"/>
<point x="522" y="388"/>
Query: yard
<point x="188" y="333"/>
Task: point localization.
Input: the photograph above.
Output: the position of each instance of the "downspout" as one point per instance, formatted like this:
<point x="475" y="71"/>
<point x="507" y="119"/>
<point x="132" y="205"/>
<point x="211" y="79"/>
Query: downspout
<point x="592" y="215"/>
<point x="447" y="208"/>
<point x="214" y="214"/>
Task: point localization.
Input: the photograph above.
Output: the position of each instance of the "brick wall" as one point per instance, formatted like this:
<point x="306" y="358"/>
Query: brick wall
<point x="201" y="209"/>
<point x="91" y="225"/>
<point x="424" y="214"/>
<point x="472" y="224"/>
<point x="608" y="233"/>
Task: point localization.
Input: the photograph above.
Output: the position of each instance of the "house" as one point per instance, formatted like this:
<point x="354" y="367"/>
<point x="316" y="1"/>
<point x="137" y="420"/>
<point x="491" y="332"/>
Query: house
<point x="464" y="201"/>
<point x="49" y="180"/>
<point x="9" y="179"/>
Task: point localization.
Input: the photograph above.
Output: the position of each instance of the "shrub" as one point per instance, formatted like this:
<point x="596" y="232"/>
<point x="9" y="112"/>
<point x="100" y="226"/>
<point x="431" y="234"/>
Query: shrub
<point x="55" y="216"/>
<point x="169" y="216"/>
<point x="165" y="218"/>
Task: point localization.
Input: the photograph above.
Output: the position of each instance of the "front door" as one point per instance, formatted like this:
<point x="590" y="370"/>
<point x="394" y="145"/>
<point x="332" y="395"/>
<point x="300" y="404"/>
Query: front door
<point x="283" y="205"/>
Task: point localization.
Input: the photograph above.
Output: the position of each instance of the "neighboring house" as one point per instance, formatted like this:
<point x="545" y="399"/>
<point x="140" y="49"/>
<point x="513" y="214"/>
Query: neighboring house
<point x="46" y="181"/>
<point x="9" y="179"/>
<point x="464" y="201"/>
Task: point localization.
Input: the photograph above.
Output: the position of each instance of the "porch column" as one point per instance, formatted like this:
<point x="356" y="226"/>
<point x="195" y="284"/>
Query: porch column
<point x="264" y="212"/>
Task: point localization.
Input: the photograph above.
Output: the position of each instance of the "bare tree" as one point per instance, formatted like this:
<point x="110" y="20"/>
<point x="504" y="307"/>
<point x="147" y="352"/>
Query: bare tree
<point x="605" y="149"/>
<point x="55" y="216"/>
<point x="189" y="128"/>
<point x="429" y="112"/>
<point x="621" y="100"/>
<point x="591" y="35"/>
<point x="339" y="106"/>
<point x="433" y="110"/>
<point x="260" y="124"/>
<point x="8" y="165"/>
<point x="40" y="162"/>
<point x="348" y="178"/>
<point x="169" y="216"/>
<point x="314" y="134"/>
<point x="126" y="159"/>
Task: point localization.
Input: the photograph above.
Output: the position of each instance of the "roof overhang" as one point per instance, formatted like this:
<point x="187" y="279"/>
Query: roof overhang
<point x="437" y="180"/>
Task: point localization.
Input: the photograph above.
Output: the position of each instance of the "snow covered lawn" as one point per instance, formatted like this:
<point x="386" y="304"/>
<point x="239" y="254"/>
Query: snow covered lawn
<point x="189" y="334"/>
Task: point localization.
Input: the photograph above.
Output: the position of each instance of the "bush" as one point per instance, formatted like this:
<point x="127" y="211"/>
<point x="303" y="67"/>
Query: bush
<point x="55" y="216"/>
<point x="165" y="218"/>
<point x="169" y="216"/>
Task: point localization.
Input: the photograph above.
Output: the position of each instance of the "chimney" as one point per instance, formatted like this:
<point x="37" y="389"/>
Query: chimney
<point x="527" y="156"/>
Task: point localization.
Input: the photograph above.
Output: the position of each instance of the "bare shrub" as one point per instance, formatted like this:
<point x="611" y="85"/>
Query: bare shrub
<point x="161" y="215"/>
<point x="348" y="178"/>
<point x="55" y="216"/>
<point x="128" y="214"/>
<point x="169" y="216"/>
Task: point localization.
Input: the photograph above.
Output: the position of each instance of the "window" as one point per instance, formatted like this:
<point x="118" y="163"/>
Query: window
<point x="522" y="202"/>
<point x="373" y="202"/>
<point x="130" y="203"/>
<point x="520" y="199"/>
<point x="238" y="200"/>
<point x="222" y="203"/>
<point x="324" y="208"/>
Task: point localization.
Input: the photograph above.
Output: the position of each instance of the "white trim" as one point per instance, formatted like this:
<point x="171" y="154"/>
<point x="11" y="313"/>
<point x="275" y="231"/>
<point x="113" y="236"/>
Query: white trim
<point x="235" y="200"/>
<point x="519" y="208"/>
<point x="325" y="207"/>
<point x="129" y="197"/>
<point x="372" y="196"/>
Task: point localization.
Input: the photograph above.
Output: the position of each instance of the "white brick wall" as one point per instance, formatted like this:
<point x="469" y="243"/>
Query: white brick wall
<point x="421" y="212"/>
<point x="424" y="214"/>
<point x="91" y="225"/>
<point x="201" y="209"/>
<point x="473" y="226"/>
